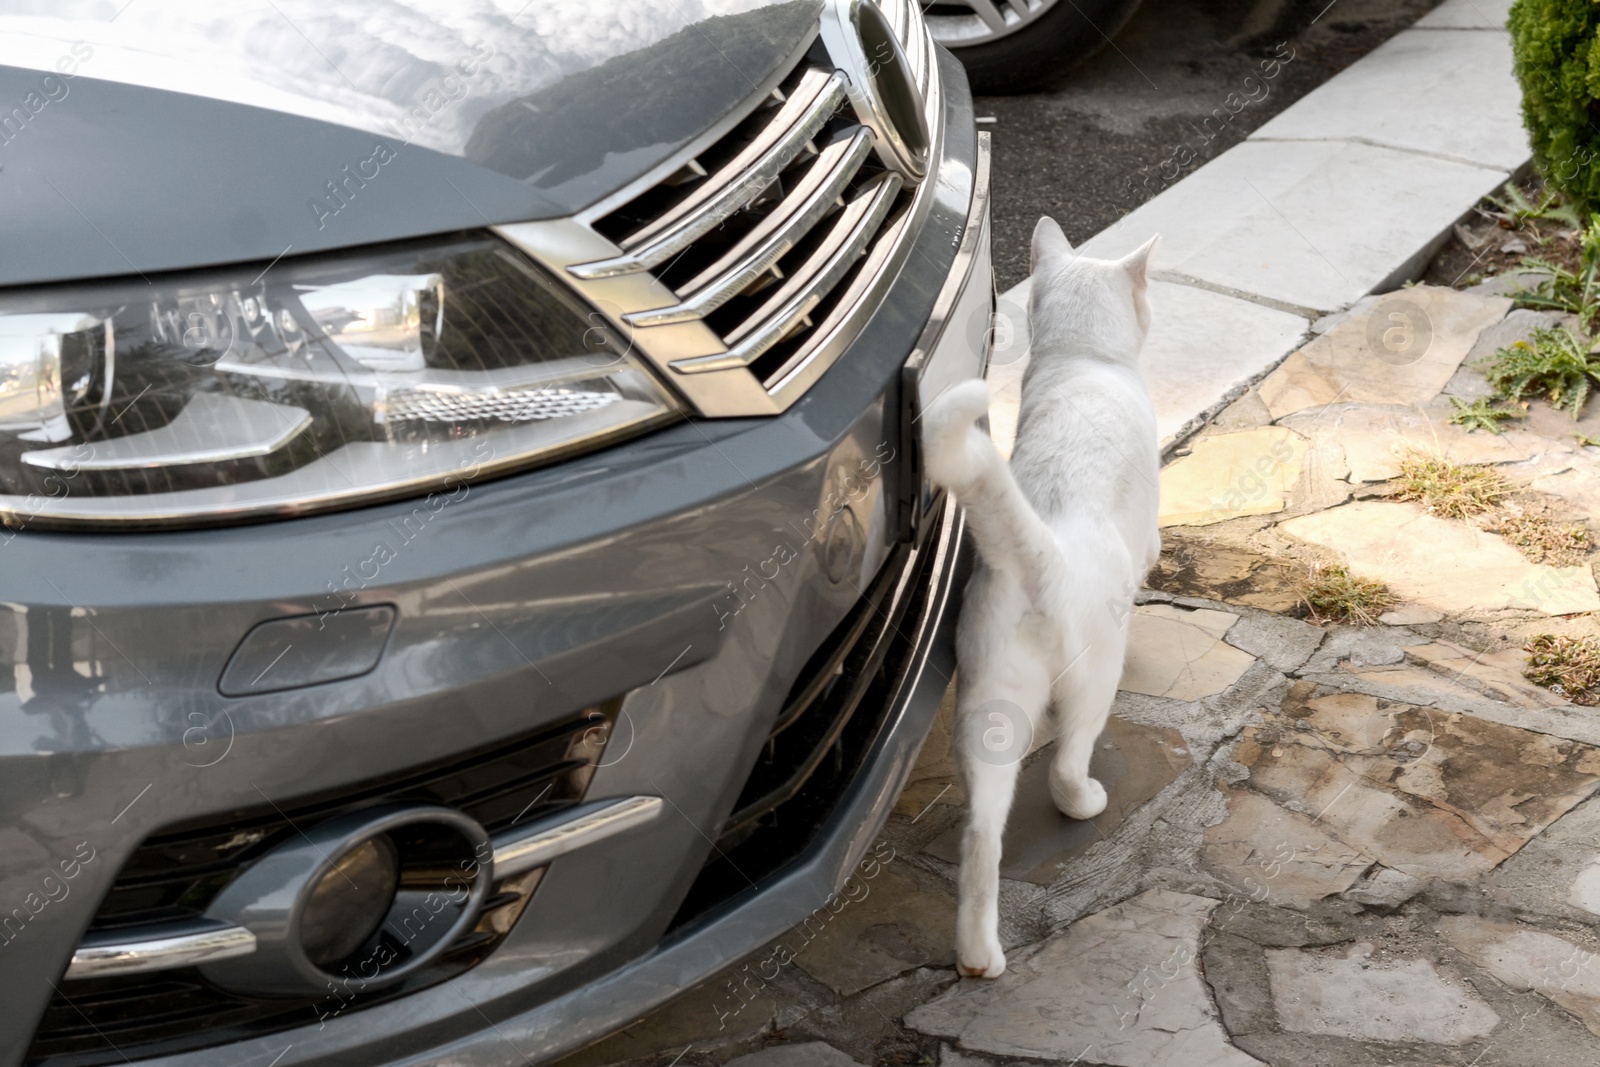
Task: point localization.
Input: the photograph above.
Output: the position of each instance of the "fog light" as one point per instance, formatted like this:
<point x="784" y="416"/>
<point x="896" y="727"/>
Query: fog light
<point x="349" y="901"/>
<point x="355" y="903"/>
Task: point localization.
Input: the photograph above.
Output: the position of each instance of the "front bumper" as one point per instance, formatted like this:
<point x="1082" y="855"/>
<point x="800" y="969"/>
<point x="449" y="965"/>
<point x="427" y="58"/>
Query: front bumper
<point x="689" y="575"/>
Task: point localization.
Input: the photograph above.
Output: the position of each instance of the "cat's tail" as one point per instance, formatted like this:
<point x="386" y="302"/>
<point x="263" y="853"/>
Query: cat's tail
<point x="962" y="458"/>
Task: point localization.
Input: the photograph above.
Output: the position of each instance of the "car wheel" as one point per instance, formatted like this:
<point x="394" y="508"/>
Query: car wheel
<point x="1010" y="46"/>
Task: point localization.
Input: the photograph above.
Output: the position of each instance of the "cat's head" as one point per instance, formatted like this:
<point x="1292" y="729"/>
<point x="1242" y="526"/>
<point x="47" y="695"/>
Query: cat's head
<point x="1102" y="304"/>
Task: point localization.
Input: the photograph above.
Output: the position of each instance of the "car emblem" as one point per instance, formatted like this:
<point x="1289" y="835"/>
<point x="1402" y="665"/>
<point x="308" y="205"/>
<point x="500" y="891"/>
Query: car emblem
<point x="883" y="91"/>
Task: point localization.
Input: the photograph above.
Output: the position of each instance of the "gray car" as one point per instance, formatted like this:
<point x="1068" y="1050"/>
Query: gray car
<point x="466" y="575"/>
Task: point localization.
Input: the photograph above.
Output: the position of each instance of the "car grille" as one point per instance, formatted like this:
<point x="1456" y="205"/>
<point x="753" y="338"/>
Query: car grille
<point x="176" y="873"/>
<point x="832" y="718"/>
<point x="761" y="235"/>
<point x="779" y="236"/>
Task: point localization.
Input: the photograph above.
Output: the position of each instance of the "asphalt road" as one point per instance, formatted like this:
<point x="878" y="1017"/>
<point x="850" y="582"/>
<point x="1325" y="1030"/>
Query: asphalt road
<point x="1111" y="133"/>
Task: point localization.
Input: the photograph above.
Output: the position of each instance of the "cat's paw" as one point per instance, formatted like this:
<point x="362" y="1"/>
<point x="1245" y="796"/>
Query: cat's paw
<point x="985" y="960"/>
<point x="1082" y="800"/>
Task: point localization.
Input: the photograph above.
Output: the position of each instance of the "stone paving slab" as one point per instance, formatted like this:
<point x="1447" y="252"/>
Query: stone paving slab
<point x="1273" y="220"/>
<point x="1374" y="438"/>
<point x="1227" y="475"/>
<point x="1498" y="673"/>
<point x="1404" y="350"/>
<point x="901" y="920"/>
<point x="1450" y="93"/>
<point x="1180" y="654"/>
<point x="1558" y="872"/>
<point x="1189" y="371"/>
<point x="1568" y="974"/>
<point x="1346" y="993"/>
<point x="1279" y="856"/>
<point x="1119" y="987"/>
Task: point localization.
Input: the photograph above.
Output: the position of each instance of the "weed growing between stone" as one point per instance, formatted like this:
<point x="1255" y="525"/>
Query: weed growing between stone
<point x="1332" y="594"/>
<point x="1450" y="490"/>
<point x="1481" y="414"/>
<point x="1568" y="666"/>
<point x="1574" y="290"/>
<point x="1556" y="364"/>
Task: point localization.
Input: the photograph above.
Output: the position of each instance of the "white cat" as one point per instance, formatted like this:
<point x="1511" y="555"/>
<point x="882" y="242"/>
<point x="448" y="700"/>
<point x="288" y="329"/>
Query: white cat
<point x="1065" y="535"/>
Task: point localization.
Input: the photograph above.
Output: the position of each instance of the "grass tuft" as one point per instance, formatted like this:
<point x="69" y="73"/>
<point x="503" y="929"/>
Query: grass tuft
<point x="1543" y="540"/>
<point x="1333" y="594"/>
<point x="1569" y="666"/>
<point x="1450" y="490"/>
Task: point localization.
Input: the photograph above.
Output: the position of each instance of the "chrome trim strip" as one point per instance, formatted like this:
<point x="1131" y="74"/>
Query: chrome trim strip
<point x="233" y="427"/>
<point x="159" y="948"/>
<point x="773" y="238"/>
<point x="974" y="230"/>
<point x="519" y="851"/>
<point x="183" y="944"/>
<point x="735" y="184"/>
<point x="836" y="255"/>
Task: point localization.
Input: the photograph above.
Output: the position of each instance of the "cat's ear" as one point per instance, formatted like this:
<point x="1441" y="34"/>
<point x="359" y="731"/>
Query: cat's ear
<point x="1048" y="242"/>
<point x="1137" y="262"/>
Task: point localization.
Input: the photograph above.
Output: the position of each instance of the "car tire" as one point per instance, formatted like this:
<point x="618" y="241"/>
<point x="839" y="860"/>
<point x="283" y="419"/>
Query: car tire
<point x="1040" y="51"/>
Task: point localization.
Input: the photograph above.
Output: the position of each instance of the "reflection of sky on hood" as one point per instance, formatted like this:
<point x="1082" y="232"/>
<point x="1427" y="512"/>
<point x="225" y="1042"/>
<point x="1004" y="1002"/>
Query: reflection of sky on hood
<point x="359" y="63"/>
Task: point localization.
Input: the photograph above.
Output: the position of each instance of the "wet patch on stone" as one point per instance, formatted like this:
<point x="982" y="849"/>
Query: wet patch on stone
<point x="1197" y="568"/>
<point x="1429" y="793"/>
<point x="1133" y="762"/>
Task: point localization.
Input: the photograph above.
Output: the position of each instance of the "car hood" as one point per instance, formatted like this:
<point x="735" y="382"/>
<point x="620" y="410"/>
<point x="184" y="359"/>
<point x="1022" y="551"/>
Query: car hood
<point x="152" y="136"/>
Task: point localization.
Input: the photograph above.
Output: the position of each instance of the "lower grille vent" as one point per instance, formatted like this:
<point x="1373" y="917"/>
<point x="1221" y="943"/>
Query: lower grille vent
<point x="832" y="717"/>
<point x="176" y="873"/>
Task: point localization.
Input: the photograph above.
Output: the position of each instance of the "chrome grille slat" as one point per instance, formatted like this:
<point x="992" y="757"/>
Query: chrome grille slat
<point x="735" y="184"/>
<point x="772" y="238"/>
<point x="823" y="270"/>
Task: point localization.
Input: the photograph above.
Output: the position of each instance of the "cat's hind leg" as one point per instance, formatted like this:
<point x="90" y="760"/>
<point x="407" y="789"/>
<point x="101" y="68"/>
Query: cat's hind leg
<point x="1000" y="702"/>
<point x="1081" y="696"/>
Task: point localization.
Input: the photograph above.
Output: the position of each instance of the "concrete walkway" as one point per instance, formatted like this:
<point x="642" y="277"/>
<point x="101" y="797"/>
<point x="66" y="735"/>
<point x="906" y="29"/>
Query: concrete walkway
<point x="1349" y="191"/>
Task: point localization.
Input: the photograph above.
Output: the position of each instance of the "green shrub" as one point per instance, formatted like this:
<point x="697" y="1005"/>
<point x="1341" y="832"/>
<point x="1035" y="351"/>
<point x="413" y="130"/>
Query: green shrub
<point x="1556" y="44"/>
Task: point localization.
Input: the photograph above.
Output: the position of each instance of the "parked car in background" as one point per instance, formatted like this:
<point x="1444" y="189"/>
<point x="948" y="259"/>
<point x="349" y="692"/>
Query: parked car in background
<point x="1012" y="46"/>
<point x="465" y="572"/>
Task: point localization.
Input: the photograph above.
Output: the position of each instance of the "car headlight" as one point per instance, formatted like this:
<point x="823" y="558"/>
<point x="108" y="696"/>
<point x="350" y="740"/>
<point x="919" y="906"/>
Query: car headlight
<point x="305" y="386"/>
